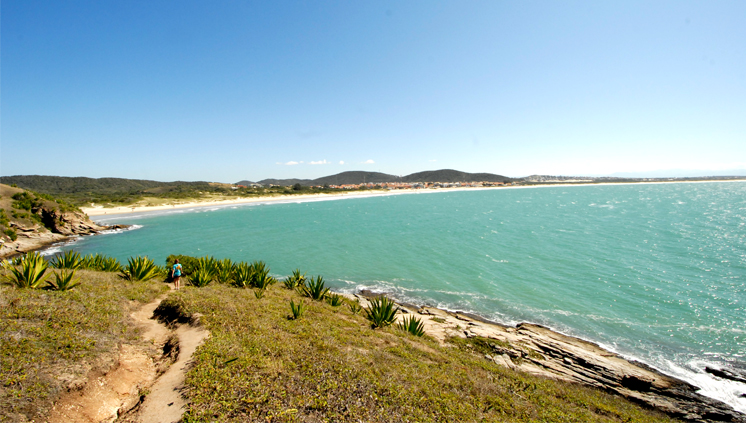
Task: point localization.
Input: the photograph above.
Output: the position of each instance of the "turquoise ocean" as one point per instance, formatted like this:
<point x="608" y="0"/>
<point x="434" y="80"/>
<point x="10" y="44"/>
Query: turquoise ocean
<point x="654" y="272"/>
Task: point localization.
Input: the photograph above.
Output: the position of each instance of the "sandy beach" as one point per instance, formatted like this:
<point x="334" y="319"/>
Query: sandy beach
<point x="100" y="210"/>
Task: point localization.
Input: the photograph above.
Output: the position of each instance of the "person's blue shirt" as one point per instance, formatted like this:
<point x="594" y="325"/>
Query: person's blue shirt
<point x="177" y="269"/>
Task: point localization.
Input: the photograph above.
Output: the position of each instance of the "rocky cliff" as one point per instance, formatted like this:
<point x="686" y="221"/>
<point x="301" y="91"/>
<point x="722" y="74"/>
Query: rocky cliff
<point x="31" y="221"/>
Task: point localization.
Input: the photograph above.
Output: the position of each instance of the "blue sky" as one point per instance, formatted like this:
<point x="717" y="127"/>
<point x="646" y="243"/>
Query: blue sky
<point x="232" y="90"/>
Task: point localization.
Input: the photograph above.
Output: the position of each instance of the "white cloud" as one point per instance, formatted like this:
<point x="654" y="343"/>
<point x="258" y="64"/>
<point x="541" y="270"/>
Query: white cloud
<point x="341" y="162"/>
<point x="369" y="161"/>
<point x="319" y="162"/>
<point x="291" y="163"/>
<point x="434" y="160"/>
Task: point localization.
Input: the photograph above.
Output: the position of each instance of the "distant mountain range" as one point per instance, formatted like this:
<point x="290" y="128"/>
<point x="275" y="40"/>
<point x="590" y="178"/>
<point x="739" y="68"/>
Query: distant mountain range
<point x="360" y="177"/>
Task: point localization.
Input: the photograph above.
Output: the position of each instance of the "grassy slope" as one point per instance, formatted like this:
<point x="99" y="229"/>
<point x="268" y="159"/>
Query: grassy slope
<point x="49" y="339"/>
<point x="330" y="366"/>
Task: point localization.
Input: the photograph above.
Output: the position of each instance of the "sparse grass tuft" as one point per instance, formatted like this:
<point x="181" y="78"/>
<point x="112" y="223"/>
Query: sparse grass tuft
<point x="335" y="300"/>
<point x="297" y="309"/>
<point x="295" y="280"/>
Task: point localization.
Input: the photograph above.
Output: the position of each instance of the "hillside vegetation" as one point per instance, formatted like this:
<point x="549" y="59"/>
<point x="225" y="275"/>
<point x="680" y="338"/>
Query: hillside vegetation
<point x="111" y="192"/>
<point x="21" y="209"/>
<point x="265" y="362"/>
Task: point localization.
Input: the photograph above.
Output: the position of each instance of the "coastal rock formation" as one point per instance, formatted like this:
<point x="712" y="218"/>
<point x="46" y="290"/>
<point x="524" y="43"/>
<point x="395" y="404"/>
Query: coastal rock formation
<point x="538" y="350"/>
<point x="41" y="223"/>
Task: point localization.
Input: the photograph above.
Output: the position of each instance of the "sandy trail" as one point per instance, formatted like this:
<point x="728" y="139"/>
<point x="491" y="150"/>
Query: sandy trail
<point x="106" y="397"/>
<point x="164" y="403"/>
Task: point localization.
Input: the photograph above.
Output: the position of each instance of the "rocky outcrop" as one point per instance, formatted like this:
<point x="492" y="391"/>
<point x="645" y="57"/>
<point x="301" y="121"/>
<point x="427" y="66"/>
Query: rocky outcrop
<point x="538" y="350"/>
<point x="57" y="227"/>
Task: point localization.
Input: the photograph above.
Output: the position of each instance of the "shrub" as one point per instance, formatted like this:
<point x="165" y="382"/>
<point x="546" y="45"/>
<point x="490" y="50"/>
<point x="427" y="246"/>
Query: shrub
<point x="242" y="274"/>
<point x="412" y="325"/>
<point x="11" y="234"/>
<point x="64" y="281"/>
<point x="201" y="277"/>
<point x="224" y="272"/>
<point x="381" y="312"/>
<point x="259" y="293"/>
<point x="69" y="260"/>
<point x="31" y="272"/>
<point x="335" y="300"/>
<point x="101" y="263"/>
<point x="188" y="263"/>
<point x="315" y="289"/>
<point x="295" y="280"/>
<point x="297" y="309"/>
<point x="260" y="275"/>
<point x="140" y="269"/>
<point x="207" y="264"/>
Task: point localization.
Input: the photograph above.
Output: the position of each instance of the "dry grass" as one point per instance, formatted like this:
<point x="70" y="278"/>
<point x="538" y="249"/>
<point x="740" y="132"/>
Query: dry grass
<point x="258" y="365"/>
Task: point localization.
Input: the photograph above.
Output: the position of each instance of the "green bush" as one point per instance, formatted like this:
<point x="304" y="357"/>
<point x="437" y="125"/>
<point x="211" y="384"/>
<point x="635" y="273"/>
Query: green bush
<point x="64" y="281"/>
<point x="11" y="234"/>
<point x="412" y="325"/>
<point x="355" y="306"/>
<point x="31" y="272"/>
<point x="381" y="312"/>
<point x="140" y="269"/>
<point x="188" y="263"/>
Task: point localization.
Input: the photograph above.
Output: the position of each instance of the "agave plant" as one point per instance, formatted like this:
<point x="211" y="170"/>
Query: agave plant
<point x="335" y="300"/>
<point x="355" y="307"/>
<point x="315" y="288"/>
<point x="201" y="277"/>
<point x="295" y="280"/>
<point x="140" y="269"/>
<point x="297" y="309"/>
<point x="108" y="264"/>
<point x="101" y="263"/>
<point x="31" y="272"/>
<point x="242" y="274"/>
<point x="381" y="312"/>
<point x="412" y="325"/>
<point x="260" y="277"/>
<point x="224" y="272"/>
<point x="69" y="260"/>
<point x="208" y="264"/>
<point x="259" y="293"/>
<point x="64" y="281"/>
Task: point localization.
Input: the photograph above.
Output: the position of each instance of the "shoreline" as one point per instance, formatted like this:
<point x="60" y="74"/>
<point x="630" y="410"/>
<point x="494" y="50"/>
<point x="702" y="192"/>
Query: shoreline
<point x="124" y="210"/>
<point x="539" y="350"/>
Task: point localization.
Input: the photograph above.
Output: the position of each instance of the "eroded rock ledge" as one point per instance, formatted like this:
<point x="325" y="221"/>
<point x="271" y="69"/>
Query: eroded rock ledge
<point x="58" y="227"/>
<point x="538" y="350"/>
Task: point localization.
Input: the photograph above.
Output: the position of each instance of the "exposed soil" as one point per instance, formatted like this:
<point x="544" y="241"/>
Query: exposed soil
<point x="143" y="387"/>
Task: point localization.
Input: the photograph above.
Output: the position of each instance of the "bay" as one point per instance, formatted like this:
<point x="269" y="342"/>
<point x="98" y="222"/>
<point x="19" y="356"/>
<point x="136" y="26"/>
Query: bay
<point x="654" y="272"/>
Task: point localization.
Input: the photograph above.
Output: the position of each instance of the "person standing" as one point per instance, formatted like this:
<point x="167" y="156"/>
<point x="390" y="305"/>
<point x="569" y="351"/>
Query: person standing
<point x="176" y="274"/>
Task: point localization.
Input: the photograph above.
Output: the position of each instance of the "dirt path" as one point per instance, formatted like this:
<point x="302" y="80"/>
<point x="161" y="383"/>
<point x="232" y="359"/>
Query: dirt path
<point x="106" y="397"/>
<point x="164" y="403"/>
